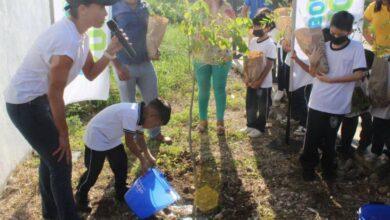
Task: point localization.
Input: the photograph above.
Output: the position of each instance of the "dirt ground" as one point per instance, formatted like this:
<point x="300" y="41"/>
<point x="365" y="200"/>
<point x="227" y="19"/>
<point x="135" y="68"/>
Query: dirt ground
<point x="236" y="177"/>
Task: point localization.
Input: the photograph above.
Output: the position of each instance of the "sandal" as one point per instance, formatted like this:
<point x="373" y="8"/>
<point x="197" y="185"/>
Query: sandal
<point x="220" y="129"/>
<point x="202" y="127"/>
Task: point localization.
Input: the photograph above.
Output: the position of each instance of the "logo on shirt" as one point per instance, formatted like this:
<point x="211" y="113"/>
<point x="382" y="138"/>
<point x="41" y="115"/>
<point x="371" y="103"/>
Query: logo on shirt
<point x="333" y="121"/>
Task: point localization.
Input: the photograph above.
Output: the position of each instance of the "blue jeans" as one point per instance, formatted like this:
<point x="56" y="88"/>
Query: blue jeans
<point x="35" y="122"/>
<point x="144" y="77"/>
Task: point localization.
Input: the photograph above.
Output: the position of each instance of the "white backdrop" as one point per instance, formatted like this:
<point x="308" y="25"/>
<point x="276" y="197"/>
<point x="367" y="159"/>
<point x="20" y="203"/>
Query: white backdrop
<point x="21" y="22"/>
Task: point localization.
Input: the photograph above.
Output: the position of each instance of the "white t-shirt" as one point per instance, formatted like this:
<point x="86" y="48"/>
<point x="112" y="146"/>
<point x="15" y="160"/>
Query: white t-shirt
<point x="105" y="130"/>
<point x="300" y="76"/>
<point x="31" y="80"/>
<point x="335" y="98"/>
<point x="268" y="47"/>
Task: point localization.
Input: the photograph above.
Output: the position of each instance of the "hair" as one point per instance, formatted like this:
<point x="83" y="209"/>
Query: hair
<point x="73" y="6"/>
<point x="163" y="108"/>
<point x="262" y="16"/>
<point x="326" y="34"/>
<point x="379" y="4"/>
<point x="342" y="20"/>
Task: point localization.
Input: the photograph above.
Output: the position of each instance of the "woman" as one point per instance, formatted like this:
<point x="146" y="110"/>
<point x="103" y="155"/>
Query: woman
<point x="132" y="16"/>
<point x="213" y="63"/>
<point x="377" y="14"/>
<point x="35" y="101"/>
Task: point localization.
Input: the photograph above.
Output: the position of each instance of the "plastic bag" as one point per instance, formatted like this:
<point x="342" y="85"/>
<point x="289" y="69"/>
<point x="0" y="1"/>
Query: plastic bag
<point x="379" y="83"/>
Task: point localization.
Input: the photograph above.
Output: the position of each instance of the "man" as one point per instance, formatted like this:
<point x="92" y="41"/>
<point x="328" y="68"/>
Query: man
<point x="132" y="16"/>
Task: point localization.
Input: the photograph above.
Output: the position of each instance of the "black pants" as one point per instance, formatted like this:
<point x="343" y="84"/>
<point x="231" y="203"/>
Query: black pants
<point x="299" y="103"/>
<point x="258" y="102"/>
<point x="94" y="161"/>
<point x="321" y="134"/>
<point x="381" y="135"/>
<point x="348" y="129"/>
<point x="283" y="71"/>
<point x="35" y="122"/>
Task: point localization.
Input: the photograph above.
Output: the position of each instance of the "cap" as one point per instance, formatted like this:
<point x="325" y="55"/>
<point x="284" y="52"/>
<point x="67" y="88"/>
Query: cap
<point x="100" y="2"/>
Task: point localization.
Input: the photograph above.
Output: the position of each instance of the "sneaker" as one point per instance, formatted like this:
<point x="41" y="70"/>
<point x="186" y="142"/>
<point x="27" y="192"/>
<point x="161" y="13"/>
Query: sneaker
<point x="278" y="96"/>
<point x="246" y="130"/>
<point x="255" y="133"/>
<point x="301" y="131"/>
<point x="309" y="175"/>
<point x="82" y="203"/>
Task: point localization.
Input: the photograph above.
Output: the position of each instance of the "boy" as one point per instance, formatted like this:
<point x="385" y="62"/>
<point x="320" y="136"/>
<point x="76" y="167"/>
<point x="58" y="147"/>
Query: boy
<point x="258" y="97"/>
<point x="103" y="139"/>
<point x="331" y="96"/>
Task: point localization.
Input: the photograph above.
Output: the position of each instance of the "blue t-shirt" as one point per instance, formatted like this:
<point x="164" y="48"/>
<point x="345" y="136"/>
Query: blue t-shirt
<point x="254" y="6"/>
<point x="134" y="23"/>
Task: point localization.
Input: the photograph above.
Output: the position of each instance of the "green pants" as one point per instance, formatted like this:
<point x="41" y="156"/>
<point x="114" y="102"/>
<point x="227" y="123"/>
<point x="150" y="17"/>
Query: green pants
<point x="218" y="74"/>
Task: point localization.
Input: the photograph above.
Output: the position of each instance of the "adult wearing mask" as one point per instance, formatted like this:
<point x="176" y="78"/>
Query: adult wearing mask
<point x="35" y="101"/>
<point x="132" y="16"/>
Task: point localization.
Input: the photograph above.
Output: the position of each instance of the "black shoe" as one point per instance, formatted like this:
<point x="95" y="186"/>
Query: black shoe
<point x="309" y="175"/>
<point x="120" y="194"/>
<point x="329" y="175"/>
<point x="82" y="203"/>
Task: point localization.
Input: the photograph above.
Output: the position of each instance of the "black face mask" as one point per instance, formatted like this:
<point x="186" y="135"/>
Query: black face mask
<point x="338" y="40"/>
<point x="258" y="33"/>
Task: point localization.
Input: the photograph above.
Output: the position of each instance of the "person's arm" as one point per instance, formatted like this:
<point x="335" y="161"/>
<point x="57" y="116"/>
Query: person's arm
<point x="123" y="74"/>
<point x="357" y="75"/>
<point x="59" y="71"/>
<point x="244" y="11"/>
<point x="145" y="150"/>
<point x="367" y="34"/>
<point x="132" y="145"/>
<point x="302" y="64"/>
<point x="256" y="84"/>
<point x="92" y="69"/>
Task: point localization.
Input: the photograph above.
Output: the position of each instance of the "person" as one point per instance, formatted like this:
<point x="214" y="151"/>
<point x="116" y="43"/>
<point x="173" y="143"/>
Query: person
<point x="35" y="104"/>
<point x="132" y="16"/>
<point x="331" y="96"/>
<point x="210" y="62"/>
<point x="103" y="139"/>
<point x="253" y="6"/>
<point x="258" y="95"/>
<point x="351" y="120"/>
<point x="377" y="15"/>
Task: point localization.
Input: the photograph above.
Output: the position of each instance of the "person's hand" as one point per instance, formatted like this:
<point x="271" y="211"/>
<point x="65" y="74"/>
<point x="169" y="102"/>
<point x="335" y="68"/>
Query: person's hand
<point x="157" y="56"/>
<point x="324" y="78"/>
<point x="115" y="46"/>
<point x="63" y="149"/>
<point x="315" y="57"/>
<point x="255" y="85"/>
<point x="145" y="165"/>
<point x="294" y="56"/>
<point x="286" y="46"/>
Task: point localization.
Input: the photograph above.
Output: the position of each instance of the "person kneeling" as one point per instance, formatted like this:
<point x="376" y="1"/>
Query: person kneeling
<point x="103" y="139"/>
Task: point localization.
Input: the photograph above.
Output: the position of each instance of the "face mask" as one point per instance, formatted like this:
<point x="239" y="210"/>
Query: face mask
<point x="258" y="33"/>
<point x="338" y="40"/>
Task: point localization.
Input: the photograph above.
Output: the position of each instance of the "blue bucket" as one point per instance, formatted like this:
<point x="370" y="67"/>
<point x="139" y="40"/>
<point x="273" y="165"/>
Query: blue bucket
<point x="374" y="212"/>
<point x="150" y="194"/>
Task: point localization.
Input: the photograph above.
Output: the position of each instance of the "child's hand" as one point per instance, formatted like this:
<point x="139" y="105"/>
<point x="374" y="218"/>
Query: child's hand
<point x="151" y="159"/>
<point x="255" y="85"/>
<point x="294" y="56"/>
<point x="145" y="165"/>
<point x="324" y="78"/>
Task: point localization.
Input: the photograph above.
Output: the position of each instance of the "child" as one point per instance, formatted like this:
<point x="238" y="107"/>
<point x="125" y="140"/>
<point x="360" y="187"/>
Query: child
<point x="331" y="96"/>
<point x="258" y="97"/>
<point x="103" y="139"/>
